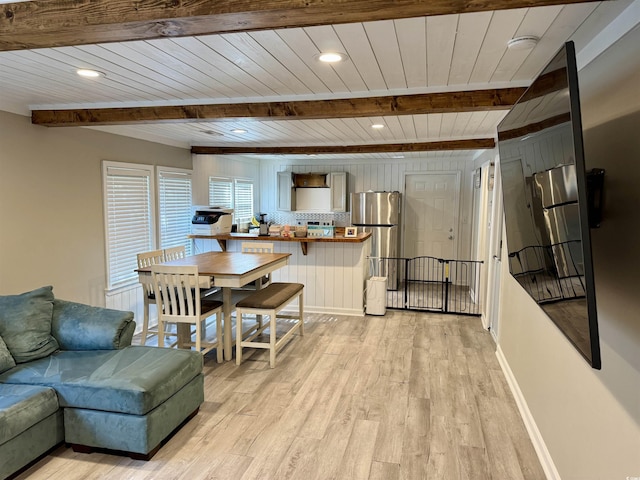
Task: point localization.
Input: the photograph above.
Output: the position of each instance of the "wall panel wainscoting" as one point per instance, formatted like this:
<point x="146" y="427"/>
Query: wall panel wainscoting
<point x="129" y="298"/>
<point x="383" y="174"/>
<point x="334" y="274"/>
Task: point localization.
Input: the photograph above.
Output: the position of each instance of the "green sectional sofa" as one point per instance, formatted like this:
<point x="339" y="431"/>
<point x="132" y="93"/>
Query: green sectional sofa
<point x="68" y="373"/>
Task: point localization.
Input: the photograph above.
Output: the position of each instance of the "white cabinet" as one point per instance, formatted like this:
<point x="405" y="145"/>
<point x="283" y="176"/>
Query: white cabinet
<point x="338" y="185"/>
<point x="286" y="201"/>
<point x="329" y="198"/>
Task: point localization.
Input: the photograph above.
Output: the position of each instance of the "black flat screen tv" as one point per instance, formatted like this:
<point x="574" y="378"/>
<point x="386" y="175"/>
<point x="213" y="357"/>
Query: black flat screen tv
<point x="544" y="185"/>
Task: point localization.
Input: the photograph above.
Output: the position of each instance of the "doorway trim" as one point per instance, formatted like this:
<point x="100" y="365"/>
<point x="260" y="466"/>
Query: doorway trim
<point x="496" y="239"/>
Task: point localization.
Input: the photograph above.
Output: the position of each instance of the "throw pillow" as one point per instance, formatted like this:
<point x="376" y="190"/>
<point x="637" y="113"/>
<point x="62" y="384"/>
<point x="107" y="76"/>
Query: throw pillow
<point x="25" y="324"/>
<point x="6" y="360"/>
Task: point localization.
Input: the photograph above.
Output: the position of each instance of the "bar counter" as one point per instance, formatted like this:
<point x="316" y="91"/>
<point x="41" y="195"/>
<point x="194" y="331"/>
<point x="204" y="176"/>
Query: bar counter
<point x="303" y="241"/>
<point x="333" y="270"/>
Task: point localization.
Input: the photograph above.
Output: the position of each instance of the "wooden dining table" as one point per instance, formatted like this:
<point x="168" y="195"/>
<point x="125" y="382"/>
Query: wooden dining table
<point x="230" y="270"/>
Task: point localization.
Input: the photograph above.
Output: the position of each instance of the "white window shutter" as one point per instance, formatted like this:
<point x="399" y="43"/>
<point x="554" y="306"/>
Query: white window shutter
<point x="128" y="193"/>
<point x="243" y="210"/>
<point x="232" y="193"/>
<point x="174" y="199"/>
<point x="220" y="192"/>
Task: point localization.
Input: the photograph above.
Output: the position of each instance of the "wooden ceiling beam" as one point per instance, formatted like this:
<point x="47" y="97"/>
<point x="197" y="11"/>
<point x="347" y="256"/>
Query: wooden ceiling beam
<point x="56" y="23"/>
<point x="534" y="127"/>
<point x="471" y="144"/>
<point x="445" y="102"/>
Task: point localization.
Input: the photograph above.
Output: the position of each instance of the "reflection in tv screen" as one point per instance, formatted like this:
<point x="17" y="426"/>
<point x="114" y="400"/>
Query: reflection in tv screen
<point x="545" y="202"/>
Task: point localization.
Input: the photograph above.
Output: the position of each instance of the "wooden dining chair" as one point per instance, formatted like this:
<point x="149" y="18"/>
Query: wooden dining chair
<point x="257" y="247"/>
<point x="179" y="301"/>
<point x="174" y="253"/>
<point x="148" y="259"/>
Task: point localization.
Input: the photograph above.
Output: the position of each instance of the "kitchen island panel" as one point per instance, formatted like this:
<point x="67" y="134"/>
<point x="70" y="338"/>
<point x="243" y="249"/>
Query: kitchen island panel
<point x="334" y="273"/>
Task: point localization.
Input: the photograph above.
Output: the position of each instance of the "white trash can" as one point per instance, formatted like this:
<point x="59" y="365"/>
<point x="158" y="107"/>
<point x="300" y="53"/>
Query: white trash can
<point x="376" y="296"/>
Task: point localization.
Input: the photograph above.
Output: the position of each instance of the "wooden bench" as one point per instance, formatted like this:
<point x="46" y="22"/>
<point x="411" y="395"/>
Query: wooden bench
<point x="268" y="302"/>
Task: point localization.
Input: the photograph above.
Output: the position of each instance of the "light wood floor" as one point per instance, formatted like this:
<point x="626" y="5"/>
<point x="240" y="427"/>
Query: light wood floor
<point x="405" y="396"/>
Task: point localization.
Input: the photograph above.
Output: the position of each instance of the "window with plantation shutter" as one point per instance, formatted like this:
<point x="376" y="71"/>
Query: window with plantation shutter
<point x="220" y="192"/>
<point x="129" y="213"/>
<point x="232" y="193"/>
<point x="174" y="201"/>
<point x="243" y="208"/>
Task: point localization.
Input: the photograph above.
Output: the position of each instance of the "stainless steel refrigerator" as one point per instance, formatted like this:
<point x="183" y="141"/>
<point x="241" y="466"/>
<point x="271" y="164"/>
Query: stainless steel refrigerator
<point x="557" y="190"/>
<point x="379" y="213"/>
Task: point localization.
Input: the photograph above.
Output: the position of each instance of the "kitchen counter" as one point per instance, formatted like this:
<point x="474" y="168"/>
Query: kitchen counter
<point x="334" y="270"/>
<point x="303" y="241"/>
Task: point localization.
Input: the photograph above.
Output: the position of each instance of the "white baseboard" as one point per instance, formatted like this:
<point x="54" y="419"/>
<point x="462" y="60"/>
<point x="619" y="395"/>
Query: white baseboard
<point x="485" y="320"/>
<point x="544" y="456"/>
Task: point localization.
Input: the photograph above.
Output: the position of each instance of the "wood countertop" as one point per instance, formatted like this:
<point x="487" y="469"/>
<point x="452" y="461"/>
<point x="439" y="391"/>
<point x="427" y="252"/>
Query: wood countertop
<point x="303" y="241"/>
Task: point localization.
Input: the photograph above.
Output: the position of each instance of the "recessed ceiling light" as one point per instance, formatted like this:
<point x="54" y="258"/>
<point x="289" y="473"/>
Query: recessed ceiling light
<point x="397" y="156"/>
<point x="525" y="42"/>
<point x="332" y="57"/>
<point x="87" y="73"/>
<point x="238" y="130"/>
<point x="377" y="126"/>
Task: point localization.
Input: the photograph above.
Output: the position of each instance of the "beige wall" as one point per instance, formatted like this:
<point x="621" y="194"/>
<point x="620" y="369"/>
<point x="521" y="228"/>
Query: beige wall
<point x="589" y="420"/>
<point x="51" y="220"/>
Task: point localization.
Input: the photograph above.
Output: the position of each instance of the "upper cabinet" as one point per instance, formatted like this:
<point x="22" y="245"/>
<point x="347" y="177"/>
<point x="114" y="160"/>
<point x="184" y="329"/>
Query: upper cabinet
<point x="312" y="192"/>
<point x="338" y="186"/>
<point x="286" y="192"/>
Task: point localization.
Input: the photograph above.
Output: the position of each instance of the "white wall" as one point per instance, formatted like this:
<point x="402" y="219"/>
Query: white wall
<point x="589" y="420"/>
<point x="380" y="174"/>
<point x="51" y="220"/>
<point x="333" y="287"/>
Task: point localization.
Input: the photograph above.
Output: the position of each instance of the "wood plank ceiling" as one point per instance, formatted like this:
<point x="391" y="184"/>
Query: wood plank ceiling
<point x="437" y="75"/>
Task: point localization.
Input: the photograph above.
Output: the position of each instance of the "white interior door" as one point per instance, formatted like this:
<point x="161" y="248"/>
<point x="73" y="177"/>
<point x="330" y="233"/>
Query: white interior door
<point x="495" y="251"/>
<point x="431" y="215"/>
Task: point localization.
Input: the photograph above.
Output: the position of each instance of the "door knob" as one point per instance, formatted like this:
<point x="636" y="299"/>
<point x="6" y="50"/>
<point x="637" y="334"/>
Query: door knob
<point x="450" y="237"/>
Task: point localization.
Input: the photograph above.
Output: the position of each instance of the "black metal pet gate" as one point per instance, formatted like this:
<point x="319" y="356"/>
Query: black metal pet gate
<point x="430" y="284"/>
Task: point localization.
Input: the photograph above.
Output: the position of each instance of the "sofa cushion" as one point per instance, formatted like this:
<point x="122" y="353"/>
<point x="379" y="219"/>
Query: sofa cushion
<point x="22" y="406"/>
<point x="25" y="324"/>
<point x="6" y="360"/>
<point x="77" y="326"/>
<point x="133" y="380"/>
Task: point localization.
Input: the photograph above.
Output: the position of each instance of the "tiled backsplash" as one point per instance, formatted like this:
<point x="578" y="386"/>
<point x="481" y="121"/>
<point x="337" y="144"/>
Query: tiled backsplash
<point x="285" y="218"/>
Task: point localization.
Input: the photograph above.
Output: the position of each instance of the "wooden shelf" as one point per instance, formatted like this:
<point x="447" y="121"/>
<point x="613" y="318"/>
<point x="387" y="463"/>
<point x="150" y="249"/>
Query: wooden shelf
<point x="303" y="241"/>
